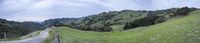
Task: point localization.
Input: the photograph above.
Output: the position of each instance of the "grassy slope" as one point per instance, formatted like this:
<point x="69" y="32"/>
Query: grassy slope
<point x="179" y="30"/>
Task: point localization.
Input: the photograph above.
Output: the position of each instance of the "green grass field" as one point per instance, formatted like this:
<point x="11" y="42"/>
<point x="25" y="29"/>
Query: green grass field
<point x="177" y="30"/>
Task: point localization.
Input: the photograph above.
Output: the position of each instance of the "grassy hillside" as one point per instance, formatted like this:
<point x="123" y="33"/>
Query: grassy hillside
<point x="104" y="21"/>
<point x="178" y="30"/>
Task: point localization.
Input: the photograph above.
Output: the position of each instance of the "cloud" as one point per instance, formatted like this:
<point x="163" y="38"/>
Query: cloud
<point x="39" y="10"/>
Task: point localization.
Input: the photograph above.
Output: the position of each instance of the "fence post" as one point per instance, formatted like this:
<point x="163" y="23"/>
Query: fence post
<point x="58" y="37"/>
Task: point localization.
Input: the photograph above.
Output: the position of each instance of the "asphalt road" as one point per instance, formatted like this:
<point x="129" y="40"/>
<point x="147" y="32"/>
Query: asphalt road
<point x="38" y="39"/>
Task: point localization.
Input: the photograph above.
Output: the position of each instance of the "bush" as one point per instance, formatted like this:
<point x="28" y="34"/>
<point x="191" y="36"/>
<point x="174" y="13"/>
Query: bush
<point x="150" y="20"/>
<point x="182" y="11"/>
<point x="100" y="28"/>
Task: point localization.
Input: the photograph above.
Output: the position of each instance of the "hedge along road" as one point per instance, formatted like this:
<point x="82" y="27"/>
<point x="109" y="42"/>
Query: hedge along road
<point x="37" y="39"/>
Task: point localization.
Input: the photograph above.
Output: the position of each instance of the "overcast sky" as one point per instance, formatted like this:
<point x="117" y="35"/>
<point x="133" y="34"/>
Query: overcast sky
<point x="40" y="10"/>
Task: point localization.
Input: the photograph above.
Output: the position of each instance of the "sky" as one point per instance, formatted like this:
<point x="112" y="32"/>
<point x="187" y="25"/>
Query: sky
<point x="40" y="10"/>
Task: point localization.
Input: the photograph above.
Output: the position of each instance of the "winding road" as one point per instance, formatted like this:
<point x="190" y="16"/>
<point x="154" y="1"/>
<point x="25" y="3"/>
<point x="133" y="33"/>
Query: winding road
<point x="38" y="39"/>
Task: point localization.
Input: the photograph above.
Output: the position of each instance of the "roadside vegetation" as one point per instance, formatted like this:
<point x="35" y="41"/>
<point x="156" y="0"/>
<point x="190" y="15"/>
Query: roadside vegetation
<point x="30" y="35"/>
<point x="11" y="30"/>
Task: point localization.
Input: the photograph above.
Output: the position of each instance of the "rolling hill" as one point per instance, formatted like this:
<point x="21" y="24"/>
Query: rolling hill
<point x="104" y="22"/>
<point x="181" y="29"/>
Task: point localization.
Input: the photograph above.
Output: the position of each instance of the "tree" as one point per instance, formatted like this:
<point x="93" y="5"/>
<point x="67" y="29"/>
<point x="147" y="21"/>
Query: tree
<point x="146" y="21"/>
<point x="100" y="27"/>
<point x="182" y="11"/>
<point x="5" y="29"/>
<point x="160" y="20"/>
<point x="58" y="24"/>
<point x="11" y="29"/>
